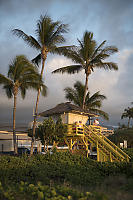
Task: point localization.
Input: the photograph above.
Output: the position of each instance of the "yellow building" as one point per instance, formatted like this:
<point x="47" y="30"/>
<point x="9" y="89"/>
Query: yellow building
<point x="69" y="113"/>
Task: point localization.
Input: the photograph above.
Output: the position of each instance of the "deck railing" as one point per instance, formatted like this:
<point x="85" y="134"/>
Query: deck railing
<point x="106" y="142"/>
<point x="95" y="136"/>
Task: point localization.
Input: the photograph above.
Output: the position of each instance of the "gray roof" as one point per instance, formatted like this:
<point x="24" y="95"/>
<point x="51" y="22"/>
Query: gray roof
<point x="67" y="108"/>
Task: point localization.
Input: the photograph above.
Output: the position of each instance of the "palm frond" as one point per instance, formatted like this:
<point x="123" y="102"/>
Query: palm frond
<point x="32" y="42"/>
<point x="69" y="69"/>
<point x="94" y="101"/>
<point x="110" y="50"/>
<point x="44" y="90"/>
<point x="128" y="113"/>
<point x="57" y="37"/>
<point x="98" y="49"/>
<point x="20" y="67"/>
<point x="97" y="96"/>
<point x="94" y="104"/>
<point x="49" y="32"/>
<point x="70" y="52"/>
<point x="124" y="115"/>
<point x="23" y="90"/>
<point x="4" y="80"/>
<point x="88" y="46"/>
<point x="107" y="65"/>
<point x="101" y="113"/>
<point x="72" y="96"/>
<point x="37" y="60"/>
<point x="9" y="90"/>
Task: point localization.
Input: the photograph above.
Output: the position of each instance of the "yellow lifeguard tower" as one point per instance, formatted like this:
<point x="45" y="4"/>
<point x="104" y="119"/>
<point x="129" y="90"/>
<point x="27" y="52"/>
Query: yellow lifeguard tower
<point x="81" y="138"/>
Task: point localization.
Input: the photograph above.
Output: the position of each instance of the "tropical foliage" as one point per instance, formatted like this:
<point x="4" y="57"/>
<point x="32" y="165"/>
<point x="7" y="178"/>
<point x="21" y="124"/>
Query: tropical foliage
<point x="60" y="174"/>
<point x="40" y="191"/>
<point x="92" y="103"/>
<point x="22" y="75"/>
<point x="128" y="113"/>
<point x="60" y="131"/>
<point x="49" y="36"/>
<point x="88" y="56"/>
<point x="50" y="132"/>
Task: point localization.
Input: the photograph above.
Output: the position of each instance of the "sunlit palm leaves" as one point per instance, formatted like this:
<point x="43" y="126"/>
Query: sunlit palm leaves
<point x="92" y="103"/>
<point x="88" y="56"/>
<point x="49" y="34"/>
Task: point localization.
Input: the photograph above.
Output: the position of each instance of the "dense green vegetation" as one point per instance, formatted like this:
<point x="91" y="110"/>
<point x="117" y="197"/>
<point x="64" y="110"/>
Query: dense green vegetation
<point x="64" y="176"/>
<point x="49" y="132"/>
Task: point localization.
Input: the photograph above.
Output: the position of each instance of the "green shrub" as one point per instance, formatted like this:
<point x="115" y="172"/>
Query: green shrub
<point x="32" y="192"/>
<point x="36" y="175"/>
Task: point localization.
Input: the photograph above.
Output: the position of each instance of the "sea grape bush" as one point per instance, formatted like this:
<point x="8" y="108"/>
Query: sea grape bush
<point x="41" y="176"/>
<point x="59" y="167"/>
<point x="38" y="191"/>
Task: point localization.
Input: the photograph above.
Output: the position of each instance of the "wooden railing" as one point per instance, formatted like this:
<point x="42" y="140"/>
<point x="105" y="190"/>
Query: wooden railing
<point x="97" y="134"/>
<point x="75" y="129"/>
<point x="94" y="135"/>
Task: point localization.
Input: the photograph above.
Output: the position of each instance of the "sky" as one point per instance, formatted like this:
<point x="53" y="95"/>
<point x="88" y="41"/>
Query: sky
<point x="108" y="20"/>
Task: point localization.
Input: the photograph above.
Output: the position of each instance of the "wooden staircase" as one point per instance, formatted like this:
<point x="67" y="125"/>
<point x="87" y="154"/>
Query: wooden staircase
<point x="87" y="136"/>
<point x="106" y="150"/>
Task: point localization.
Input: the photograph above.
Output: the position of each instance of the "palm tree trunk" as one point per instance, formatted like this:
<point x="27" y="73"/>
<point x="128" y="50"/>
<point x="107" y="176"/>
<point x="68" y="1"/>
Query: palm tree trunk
<point x="14" y="125"/>
<point x="86" y="88"/>
<point x="36" y="110"/>
<point x="128" y="122"/>
<point x="44" y="145"/>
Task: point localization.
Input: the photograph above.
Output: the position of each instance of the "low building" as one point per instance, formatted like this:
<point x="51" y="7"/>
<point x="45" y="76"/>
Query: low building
<point x="6" y="140"/>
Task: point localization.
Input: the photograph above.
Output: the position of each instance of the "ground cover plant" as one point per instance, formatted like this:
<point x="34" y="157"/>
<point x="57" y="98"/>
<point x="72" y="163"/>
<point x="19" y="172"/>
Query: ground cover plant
<point x="65" y="176"/>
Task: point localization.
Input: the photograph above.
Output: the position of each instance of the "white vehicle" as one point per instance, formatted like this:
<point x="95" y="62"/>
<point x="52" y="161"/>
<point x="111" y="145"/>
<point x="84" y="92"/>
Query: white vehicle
<point x="62" y="148"/>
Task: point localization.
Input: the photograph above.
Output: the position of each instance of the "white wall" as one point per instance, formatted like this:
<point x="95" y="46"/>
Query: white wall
<point x="72" y="118"/>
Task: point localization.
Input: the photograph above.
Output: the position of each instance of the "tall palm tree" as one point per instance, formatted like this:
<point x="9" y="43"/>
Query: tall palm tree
<point x="92" y="103"/>
<point x="22" y="74"/>
<point x="49" y="36"/>
<point x="88" y="56"/>
<point x="128" y="113"/>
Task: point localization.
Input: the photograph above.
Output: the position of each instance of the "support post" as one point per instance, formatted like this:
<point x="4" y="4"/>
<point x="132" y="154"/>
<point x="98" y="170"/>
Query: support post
<point x="111" y="157"/>
<point x="98" y="156"/>
<point x="70" y="144"/>
<point x="2" y="148"/>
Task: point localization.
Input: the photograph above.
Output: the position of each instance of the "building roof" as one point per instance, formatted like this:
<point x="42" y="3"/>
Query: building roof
<point x="65" y="108"/>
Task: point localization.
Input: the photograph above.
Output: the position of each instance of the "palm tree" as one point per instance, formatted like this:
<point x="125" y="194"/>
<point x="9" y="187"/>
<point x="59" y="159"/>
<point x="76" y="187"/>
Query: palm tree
<point x="128" y="113"/>
<point x="49" y="35"/>
<point x="22" y="75"/>
<point x="92" y="103"/>
<point x="88" y="56"/>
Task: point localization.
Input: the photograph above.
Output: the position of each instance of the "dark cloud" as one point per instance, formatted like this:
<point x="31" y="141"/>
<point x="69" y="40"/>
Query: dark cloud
<point x="115" y="22"/>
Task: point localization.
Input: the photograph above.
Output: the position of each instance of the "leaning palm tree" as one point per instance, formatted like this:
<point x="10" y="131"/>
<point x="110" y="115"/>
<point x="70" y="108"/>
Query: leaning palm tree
<point x="22" y="74"/>
<point x="88" y="56"/>
<point x="92" y="103"/>
<point x="128" y="113"/>
<point x="49" y="36"/>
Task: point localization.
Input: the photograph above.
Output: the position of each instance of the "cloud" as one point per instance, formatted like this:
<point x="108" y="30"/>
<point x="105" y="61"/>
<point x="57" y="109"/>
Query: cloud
<point x="125" y="81"/>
